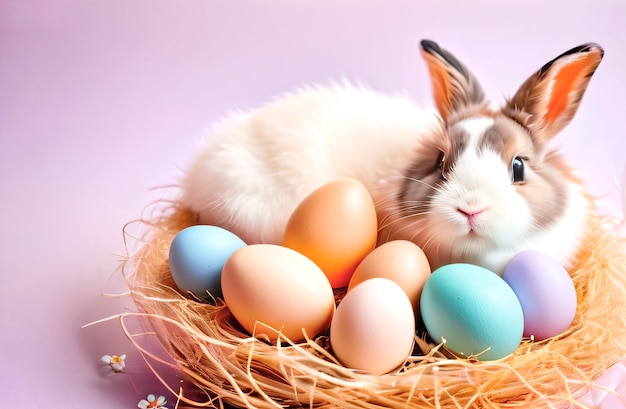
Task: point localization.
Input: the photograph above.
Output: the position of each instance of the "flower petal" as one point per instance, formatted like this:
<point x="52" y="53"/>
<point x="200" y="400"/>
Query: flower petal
<point x="143" y="404"/>
<point x="106" y="359"/>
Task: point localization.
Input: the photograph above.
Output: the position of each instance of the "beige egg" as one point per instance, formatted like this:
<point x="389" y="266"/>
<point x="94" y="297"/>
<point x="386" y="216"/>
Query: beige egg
<point x="402" y="262"/>
<point x="271" y="289"/>
<point x="374" y="327"/>
<point x="336" y="227"/>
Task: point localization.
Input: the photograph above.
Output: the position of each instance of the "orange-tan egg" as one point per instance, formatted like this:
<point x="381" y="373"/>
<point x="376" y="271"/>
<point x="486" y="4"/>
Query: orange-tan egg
<point x="336" y="227"/>
<point x="400" y="261"/>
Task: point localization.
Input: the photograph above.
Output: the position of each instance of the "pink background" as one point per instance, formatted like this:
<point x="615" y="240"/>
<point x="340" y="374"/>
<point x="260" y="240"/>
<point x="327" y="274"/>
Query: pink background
<point x="102" y="100"/>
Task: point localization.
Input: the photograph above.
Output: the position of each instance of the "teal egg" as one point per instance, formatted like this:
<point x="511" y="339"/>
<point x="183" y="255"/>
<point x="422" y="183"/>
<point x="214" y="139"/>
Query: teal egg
<point x="473" y="310"/>
<point x="196" y="258"/>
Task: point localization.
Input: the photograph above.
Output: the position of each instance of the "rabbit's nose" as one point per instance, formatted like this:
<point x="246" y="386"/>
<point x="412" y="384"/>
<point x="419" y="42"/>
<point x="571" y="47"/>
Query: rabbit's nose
<point x="470" y="215"/>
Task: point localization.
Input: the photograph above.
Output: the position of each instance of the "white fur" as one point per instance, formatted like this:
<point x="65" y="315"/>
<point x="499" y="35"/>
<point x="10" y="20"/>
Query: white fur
<point x="255" y="168"/>
<point x="480" y="181"/>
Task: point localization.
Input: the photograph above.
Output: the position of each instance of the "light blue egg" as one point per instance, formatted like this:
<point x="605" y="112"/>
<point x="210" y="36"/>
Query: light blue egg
<point x="197" y="255"/>
<point x="474" y="310"/>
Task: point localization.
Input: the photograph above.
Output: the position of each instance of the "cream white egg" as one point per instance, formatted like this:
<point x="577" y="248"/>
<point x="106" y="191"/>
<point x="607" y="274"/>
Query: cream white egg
<point x="374" y="327"/>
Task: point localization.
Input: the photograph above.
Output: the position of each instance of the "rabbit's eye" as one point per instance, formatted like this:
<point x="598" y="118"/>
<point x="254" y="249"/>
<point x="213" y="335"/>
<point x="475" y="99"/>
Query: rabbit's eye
<point x="517" y="170"/>
<point x="440" y="162"/>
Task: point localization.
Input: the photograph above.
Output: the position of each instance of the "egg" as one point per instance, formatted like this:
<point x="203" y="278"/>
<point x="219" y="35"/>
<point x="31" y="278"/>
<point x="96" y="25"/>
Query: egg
<point x="336" y="227"/>
<point x="374" y="327"/>
<point x="196" y="257"/>
<point x="401" y="261"/>
<point x="270" y="289"/>
<point x="546" y="293"/>
<point x="472" y="310"/>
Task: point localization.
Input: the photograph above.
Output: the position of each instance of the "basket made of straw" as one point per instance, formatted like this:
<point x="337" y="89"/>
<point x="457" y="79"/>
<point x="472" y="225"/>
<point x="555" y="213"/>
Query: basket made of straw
<point x="226" y="365"/>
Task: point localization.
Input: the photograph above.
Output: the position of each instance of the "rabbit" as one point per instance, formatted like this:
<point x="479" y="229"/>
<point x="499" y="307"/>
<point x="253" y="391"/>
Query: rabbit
<point x="465" y="182"/>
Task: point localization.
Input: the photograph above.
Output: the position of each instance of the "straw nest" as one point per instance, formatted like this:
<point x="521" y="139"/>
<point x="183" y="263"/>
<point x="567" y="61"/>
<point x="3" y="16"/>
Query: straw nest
<point x="228" y="366"/>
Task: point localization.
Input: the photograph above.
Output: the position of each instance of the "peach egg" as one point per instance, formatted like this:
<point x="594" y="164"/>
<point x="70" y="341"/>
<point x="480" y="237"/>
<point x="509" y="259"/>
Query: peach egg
<point x="400" y="261"/>
<point x="271" y="289"/>
<point x="336" y="227"/>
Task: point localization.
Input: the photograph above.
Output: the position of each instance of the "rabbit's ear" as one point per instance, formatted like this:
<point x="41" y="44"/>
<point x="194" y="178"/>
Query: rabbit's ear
<point x="454" y="87"/>
<point x="549" y="99"/>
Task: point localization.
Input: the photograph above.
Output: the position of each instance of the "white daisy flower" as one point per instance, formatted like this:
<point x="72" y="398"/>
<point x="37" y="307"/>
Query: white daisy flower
<point x="116" y="362"/>
<point x="152" y="402"/>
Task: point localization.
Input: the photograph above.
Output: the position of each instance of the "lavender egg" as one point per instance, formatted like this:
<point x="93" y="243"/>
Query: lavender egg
<point x="545" y="291"/>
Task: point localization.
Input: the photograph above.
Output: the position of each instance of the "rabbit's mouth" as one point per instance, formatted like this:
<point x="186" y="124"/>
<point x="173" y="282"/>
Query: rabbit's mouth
<point x="472" y="219"/>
